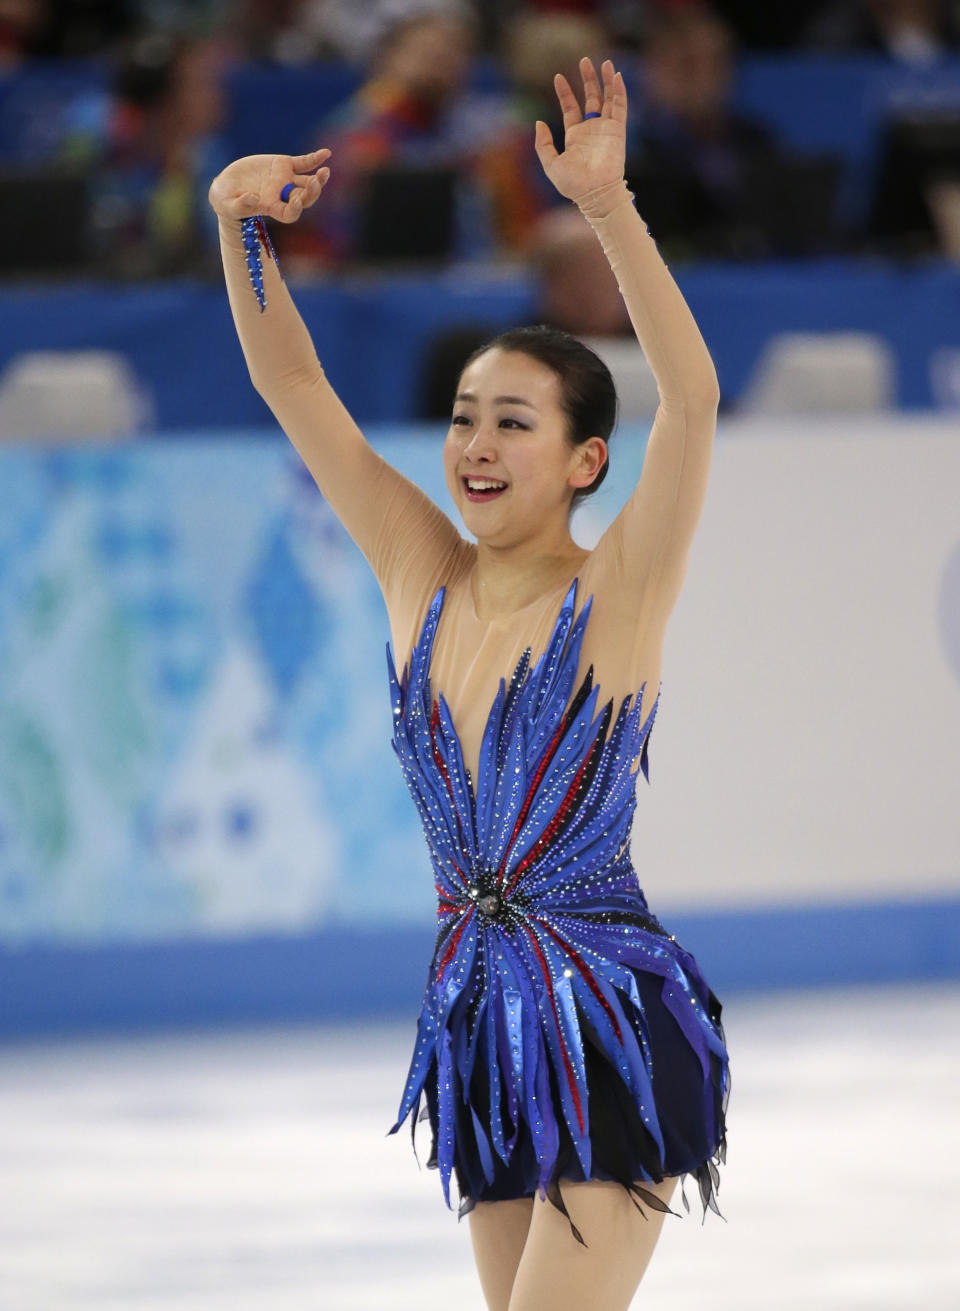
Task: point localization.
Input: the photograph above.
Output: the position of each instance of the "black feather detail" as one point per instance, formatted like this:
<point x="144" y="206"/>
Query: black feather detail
<point x="556" y="1197"/>
<point x="653" y="1200"/>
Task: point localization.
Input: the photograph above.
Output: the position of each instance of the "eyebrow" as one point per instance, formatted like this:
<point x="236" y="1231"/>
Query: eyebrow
<point x="497" y="400"/>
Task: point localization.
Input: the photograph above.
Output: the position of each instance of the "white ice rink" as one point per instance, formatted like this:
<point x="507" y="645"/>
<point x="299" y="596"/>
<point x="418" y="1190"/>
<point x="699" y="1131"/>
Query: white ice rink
<point x="251" y="1170"/>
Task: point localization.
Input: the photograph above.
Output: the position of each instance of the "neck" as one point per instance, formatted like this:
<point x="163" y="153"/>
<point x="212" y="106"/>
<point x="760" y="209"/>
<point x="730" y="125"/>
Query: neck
<point x="506" y="579"/>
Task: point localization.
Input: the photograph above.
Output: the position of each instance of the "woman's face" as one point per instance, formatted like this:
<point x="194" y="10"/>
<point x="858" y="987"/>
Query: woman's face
<point x="508" y="425"/>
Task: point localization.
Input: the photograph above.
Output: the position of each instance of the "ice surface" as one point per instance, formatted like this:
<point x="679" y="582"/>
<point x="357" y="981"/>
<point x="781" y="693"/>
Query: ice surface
<point x="252" y="1169"/>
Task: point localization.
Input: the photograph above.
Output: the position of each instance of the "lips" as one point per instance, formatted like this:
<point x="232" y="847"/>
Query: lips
<point x="489" y="494"/>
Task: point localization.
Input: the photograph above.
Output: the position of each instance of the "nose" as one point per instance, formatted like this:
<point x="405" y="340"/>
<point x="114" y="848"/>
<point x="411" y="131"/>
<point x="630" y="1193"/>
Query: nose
<point x="481" y="443"/>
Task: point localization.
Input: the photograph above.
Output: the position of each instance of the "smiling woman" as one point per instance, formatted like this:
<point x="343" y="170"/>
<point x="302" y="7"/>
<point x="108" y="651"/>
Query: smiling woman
<point x="570" y="1051"/>
<point x="584" y="395"/>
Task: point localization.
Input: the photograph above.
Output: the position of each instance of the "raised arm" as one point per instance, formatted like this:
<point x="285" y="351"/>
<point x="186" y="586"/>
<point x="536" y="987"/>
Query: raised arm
<point x="649" y="542"/>
<point x="651" y="537"/>
<point x="403" y="534"/>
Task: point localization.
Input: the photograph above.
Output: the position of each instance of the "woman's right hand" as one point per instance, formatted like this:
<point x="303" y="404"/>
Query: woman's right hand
<point x="252" y="185"/>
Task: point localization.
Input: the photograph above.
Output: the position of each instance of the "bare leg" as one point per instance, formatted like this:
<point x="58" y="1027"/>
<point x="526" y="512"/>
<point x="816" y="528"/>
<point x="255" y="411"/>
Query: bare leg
<point x="498" y="1231"/>
<point x="556" y="1271"/>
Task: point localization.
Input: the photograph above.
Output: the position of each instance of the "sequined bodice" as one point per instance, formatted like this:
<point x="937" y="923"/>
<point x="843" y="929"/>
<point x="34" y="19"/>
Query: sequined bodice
<point x="546" y="828"/>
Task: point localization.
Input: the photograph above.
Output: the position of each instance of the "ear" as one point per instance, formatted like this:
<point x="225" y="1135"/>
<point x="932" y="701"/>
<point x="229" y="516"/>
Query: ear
<point x="592" y="456"/>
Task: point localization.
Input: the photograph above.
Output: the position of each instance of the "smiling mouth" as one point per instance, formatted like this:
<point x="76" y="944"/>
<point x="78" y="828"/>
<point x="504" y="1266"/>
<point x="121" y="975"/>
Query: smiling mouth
<point x="488" y="493"/>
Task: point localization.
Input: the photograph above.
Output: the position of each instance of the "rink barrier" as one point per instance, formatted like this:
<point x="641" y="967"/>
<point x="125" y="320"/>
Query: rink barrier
<point x="161" y="329"/>
<point x="341" y="973"/>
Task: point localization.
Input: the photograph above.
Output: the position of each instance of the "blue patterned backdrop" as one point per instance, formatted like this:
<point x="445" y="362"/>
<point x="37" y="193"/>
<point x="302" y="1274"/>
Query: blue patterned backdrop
<point x="194" y="714"/>
<point x="193" y="701"/>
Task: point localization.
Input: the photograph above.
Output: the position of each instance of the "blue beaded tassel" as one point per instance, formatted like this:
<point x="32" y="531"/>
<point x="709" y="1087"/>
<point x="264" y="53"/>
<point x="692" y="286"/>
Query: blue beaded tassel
<point x="254" y="232"/>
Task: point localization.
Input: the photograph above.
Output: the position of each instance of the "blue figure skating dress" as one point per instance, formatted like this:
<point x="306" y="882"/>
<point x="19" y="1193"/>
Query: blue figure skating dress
<point x="563" y="1032"/>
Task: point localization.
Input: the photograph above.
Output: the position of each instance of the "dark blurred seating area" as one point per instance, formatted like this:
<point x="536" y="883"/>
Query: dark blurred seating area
<point x="797" y="163"/>
<point x="830" y="127"/>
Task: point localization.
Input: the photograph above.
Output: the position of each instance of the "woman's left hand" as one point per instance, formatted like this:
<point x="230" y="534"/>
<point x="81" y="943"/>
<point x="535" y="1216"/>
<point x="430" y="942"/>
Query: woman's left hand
<point x="594" y="148"/>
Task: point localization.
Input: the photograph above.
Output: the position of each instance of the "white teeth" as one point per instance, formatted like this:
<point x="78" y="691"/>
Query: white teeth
<point x="481" y="484"/>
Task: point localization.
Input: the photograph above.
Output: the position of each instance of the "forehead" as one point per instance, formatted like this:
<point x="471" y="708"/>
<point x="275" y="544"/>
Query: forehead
<point x="497" y="372"/>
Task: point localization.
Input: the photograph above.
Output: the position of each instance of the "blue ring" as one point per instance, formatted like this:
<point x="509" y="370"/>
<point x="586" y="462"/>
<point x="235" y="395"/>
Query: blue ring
<point x="593" y="114"/>
<point x="285" y="193"/>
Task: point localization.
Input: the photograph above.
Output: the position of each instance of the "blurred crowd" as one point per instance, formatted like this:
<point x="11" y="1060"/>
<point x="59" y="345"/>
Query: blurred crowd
<point x="432" y="162"/>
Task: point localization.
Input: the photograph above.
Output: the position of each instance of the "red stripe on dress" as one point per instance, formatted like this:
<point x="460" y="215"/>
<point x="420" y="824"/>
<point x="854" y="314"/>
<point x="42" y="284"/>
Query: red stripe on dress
<point x="449" y="954"/>
<point x="563" y="1047"/>
<point x="552" y="827"/>
<point x="528" y="800"/>
<point x="587" y="973"/>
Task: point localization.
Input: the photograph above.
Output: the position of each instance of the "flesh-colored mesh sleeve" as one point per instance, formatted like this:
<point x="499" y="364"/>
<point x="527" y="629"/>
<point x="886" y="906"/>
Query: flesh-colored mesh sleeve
<point x="405" y="537"/>
<point x="647" y="546"/>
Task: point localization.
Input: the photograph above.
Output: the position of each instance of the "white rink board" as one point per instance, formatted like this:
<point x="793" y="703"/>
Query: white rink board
<point x="807" y="745"/>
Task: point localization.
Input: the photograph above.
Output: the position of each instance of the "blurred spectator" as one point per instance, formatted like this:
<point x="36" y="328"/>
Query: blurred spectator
<point x="22" y="24"/>
<point x="536" y="46"/>
<point x="149" y="148"/>
<point x="576" y="290"/>
<point x="767" y="26"/>
<point x="404" y="180"/>
<point x="63" y="29"/>
<point x="915" y="208"/>
<point x="188" y="18"/>
<point x="284" y="31"/>
<point x="913" y="31"/>
<point x="624" y="21"/>
<point x="710" y="181"/>
<point x="347" y="29"/>
<point x="298" y="31"/>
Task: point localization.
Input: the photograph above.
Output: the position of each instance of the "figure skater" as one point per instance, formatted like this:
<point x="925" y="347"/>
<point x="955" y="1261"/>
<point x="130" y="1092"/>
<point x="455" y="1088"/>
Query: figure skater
<point x="565" y="1036"/>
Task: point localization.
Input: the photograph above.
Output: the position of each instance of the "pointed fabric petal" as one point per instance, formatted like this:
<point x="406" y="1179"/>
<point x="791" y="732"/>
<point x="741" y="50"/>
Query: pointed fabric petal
<point x="446" y="1107"/>
<point x="483" y="1146"/>
<point x="423" y="1053"/>
<point x="486" y="771"/>
<point x="563" y="1042"/>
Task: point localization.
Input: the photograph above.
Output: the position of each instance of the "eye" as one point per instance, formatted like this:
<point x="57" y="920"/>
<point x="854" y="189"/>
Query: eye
<point x="462" y="418"/>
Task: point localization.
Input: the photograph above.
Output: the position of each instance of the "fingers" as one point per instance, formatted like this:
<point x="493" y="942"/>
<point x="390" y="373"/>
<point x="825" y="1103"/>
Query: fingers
<point x="312" y="193"/>
<point x="304" y="190"/>
<point x="299" y="195"/>
<point x="614" y="93"/>
<point x="310" y="162"/>
<point x="543" y="144"/>
<point x="609" y="101"/>
<point x="618" y="111"/>
<point x="241" y="207"/>
<point x="291" y="210"/>
<point x="609" y="87"/>
<point x="568" y="101"/>
<point x="592" y="95"/>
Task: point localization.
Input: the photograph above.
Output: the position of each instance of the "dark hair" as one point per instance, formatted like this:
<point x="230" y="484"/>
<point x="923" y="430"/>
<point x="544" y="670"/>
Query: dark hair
<point x="587" y="391"/>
